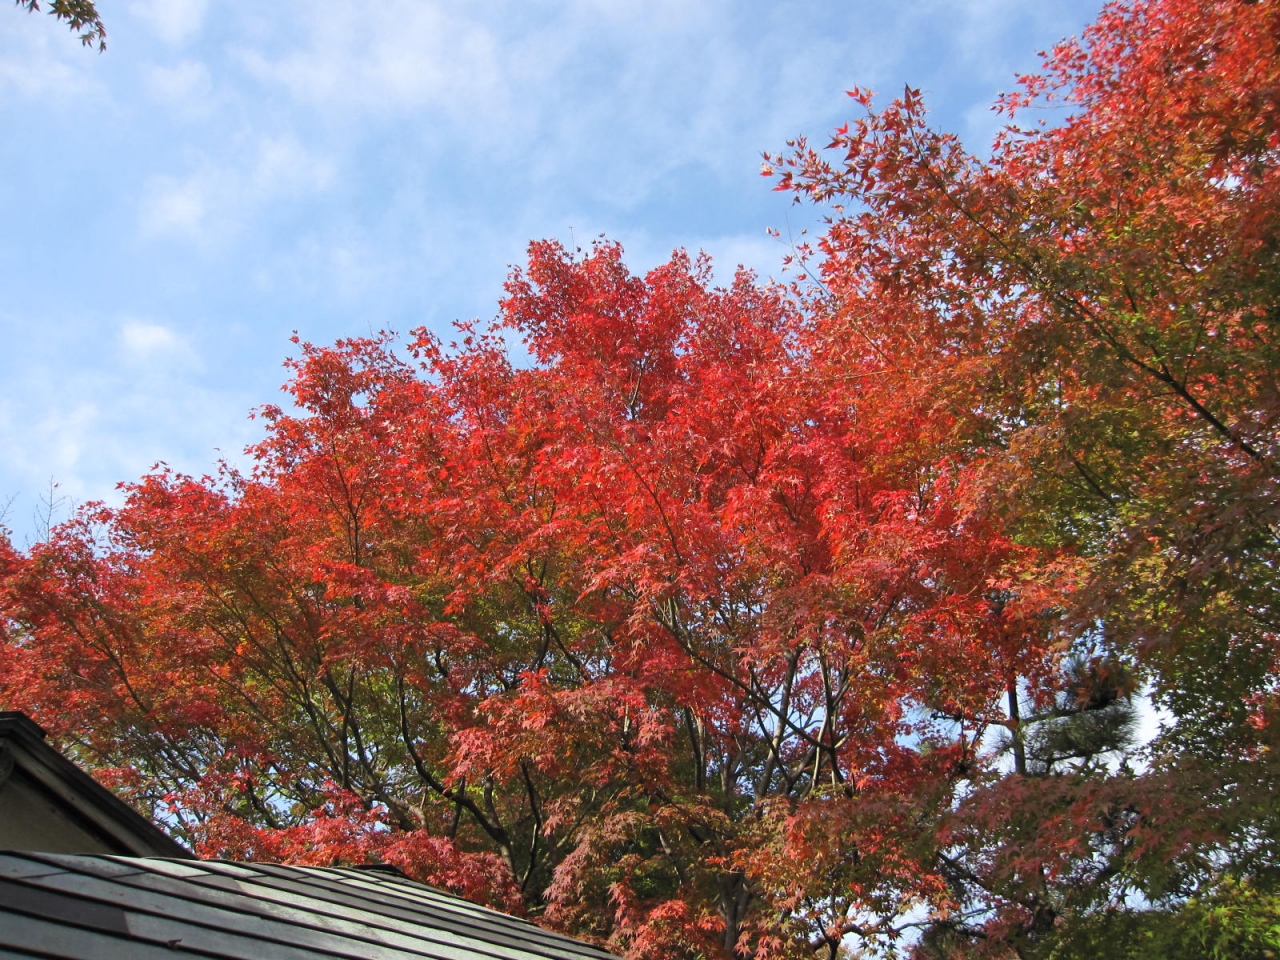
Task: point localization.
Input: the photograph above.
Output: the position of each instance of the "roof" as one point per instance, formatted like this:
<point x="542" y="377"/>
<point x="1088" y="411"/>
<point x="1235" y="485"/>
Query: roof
<point x="49" y="802"/>
<point x="133" y="908"/>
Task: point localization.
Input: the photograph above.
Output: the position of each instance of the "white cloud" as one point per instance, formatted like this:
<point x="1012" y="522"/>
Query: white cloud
<point x="173" y="21"/>
<point x="357" y="269"/>
<point x="758" y="252"/>
<point x="285" y="168"/>
<point x="214" y="200"/>
<point x="314" y="163"/>
<point x="36" y="75"/>
<point x="144" y="343"/>
<point x="186" y="84"/>
<point x="40" y="59"/>
<point x="666" y="14"/>
<point x="143" y="340"/>
<point x="145" y="400"/>
<point x="175" y="208"/>
<point x="68" y="431"/>
<point x="391" y="55"/>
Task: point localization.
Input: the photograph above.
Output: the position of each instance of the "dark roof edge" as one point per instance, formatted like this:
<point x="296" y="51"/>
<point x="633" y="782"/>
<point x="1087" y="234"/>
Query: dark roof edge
<point x="106" y="813"/>
<point x="15" y="722"/>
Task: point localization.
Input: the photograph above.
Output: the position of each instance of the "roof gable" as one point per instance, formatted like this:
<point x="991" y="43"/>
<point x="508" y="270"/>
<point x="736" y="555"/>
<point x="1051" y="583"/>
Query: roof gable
<point x="65" y="890"/>
<point x="48" y="803"/>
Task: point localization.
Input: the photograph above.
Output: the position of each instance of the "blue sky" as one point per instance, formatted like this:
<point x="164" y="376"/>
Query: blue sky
<point x="227" y="173"/>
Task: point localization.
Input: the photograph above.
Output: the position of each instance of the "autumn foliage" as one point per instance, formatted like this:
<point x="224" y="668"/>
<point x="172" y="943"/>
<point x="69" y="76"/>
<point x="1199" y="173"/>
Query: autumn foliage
<point x="753" y="621"/>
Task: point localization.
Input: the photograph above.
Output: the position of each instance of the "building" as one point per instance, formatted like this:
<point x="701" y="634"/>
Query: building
<point x="84" y="877"/>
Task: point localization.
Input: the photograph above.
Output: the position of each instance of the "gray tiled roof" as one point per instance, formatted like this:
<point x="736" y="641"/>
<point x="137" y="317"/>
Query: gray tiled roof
<point x="137" y="908"/>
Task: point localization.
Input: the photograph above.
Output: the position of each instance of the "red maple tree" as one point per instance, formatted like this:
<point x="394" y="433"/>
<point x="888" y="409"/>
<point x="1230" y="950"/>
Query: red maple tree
<point x="692" y="634"/>
<point x="1094" y="306"/>
<point x="612" y="638"/>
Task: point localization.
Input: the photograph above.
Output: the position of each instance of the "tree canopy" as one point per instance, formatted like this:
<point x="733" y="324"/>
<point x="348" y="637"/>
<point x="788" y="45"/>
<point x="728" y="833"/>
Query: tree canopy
<point x="758" y="621"/>
<point x="81" y="16"/>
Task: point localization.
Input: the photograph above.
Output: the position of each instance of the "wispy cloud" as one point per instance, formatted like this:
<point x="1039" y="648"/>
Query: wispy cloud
<point x="146" y="344"/>
<point x="39" y="61"/>
<point x="174" y="22"/>
<point x="185" y="84"/>
<point x="389" y="56"/>
<point x="226" y="173"/>
<point x="176" y="207"/>
<point x="215" y="200"/>
<point x="148" y="399"/>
